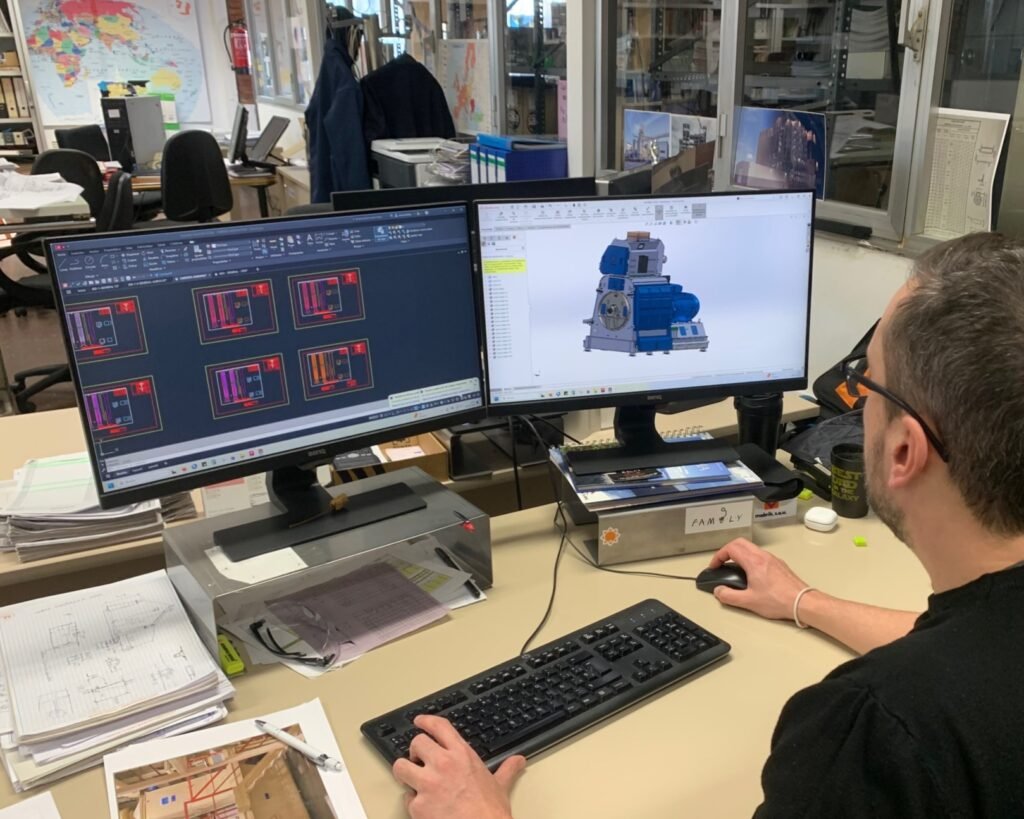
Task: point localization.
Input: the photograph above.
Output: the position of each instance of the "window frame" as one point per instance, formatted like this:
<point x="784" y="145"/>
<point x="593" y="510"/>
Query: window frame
<point x="936" y="43"/>
<point x="919" y="84"/>
<point x="286" y="98"/>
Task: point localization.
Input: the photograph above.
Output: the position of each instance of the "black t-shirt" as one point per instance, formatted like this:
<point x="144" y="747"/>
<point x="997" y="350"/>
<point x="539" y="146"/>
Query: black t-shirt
<point x="931" y="725"/>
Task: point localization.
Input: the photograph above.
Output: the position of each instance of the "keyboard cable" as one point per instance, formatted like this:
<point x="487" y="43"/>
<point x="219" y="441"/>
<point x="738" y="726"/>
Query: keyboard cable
<point x="562" y="523"/>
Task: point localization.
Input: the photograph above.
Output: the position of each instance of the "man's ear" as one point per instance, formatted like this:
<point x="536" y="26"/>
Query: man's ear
<point x="909" y="451"/>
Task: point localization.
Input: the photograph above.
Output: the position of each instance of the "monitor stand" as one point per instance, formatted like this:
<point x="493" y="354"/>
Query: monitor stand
<point x="307" y="514"/>
<point x="245" y="162"/>
<point x="642" y="447"/>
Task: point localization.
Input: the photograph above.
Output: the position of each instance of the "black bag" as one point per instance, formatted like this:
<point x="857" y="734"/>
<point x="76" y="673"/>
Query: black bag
<point x="830" y="387"/>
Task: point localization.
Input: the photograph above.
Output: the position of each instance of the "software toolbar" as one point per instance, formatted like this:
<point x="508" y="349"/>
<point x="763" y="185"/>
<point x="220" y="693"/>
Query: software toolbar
<point x="98" y="266"/>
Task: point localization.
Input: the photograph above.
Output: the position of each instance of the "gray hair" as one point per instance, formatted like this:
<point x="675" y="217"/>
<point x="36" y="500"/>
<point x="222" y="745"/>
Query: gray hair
<point x="954" y="350"/>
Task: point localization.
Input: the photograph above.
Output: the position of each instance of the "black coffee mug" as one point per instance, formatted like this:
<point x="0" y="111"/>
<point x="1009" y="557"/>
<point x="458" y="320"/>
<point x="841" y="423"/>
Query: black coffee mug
<point x="759" y="418"/>
<point x="849" y="491"/>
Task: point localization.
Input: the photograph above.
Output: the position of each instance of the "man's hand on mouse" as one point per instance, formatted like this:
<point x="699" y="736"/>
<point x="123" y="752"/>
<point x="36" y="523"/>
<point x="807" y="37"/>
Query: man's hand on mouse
<point x="771" y="584"/>
<point x="448" y="778"/>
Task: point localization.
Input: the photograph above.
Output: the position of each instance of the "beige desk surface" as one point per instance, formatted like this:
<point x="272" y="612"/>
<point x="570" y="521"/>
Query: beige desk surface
<point x="695" y="750"/>
<point x="38" y="435"/>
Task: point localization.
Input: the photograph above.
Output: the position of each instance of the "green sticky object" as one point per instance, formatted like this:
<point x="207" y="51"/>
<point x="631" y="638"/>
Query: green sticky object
<point x="860" y="542"/>
<point x="807" y="494"/>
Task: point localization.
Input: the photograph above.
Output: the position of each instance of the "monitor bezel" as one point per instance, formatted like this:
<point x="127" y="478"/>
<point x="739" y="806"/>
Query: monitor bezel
<point x="301" y="457"/>
<point x="239" y="133"/>
<point x="717" y="392"/>
<point x="338" y="198"/>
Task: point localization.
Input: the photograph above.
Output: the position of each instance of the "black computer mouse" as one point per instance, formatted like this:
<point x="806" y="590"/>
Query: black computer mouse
<point x="729" y="574"/>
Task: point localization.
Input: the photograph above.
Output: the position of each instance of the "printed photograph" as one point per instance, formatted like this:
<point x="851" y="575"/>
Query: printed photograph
<point x="780" y="150"/>
<point x="645" y="137"/>
<point x="256" y="778"/>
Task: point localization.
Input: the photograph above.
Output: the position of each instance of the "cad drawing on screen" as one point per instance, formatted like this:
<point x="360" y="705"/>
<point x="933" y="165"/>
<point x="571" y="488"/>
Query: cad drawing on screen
<point x="638" y="309"/>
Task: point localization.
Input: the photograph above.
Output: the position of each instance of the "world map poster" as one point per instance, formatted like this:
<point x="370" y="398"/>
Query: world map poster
<point x="74" y="45"/>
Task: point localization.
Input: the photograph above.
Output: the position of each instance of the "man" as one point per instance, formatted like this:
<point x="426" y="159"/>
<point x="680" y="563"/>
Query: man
<point x="929" y="722"/>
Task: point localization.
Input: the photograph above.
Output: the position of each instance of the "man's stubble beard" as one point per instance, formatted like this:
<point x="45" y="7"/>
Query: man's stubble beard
<point x="878" y="500"/>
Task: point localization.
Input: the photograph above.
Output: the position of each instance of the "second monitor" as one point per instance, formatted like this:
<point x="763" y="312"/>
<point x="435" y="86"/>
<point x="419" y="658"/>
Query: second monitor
<point x="637" y="302"/>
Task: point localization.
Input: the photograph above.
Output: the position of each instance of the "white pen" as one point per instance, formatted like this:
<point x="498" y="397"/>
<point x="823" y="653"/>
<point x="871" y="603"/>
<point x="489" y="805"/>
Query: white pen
<point x="318" y="758"/>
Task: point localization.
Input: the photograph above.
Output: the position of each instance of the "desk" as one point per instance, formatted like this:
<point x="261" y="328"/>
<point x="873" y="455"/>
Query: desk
<point x="261" y="183"/>
<point x="38" y="435"/>
<point x="695" y="750"/>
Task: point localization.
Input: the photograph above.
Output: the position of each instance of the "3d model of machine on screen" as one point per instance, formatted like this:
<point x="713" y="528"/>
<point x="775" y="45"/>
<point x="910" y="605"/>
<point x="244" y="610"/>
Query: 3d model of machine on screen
<point x="638" y="309"/>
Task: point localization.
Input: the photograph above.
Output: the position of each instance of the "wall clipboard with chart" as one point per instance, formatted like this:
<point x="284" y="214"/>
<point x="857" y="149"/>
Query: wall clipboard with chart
<point x="964" y="158"/>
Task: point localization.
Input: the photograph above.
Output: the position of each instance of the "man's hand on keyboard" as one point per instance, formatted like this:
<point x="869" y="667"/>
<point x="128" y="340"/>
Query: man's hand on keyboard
<point x="771" y="585"/>
<point x="450" y="781"/>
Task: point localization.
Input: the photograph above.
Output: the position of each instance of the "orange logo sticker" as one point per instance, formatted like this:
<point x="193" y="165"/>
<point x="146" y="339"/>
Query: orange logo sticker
<point x="610" y="536"/>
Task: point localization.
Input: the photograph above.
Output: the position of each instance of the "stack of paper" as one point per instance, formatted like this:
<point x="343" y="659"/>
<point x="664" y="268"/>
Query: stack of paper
<point x="51" y="508"/>
<point x="29" y="192"/>
<point x="90" y="671"/>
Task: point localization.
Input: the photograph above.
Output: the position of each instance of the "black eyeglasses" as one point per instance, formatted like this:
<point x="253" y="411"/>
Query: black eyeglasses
<point x="263" y="632"/>
<point x="856" y="379"/>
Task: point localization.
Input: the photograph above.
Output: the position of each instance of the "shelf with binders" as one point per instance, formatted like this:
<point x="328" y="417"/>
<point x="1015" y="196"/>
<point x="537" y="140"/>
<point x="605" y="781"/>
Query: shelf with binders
<point x="20" y="130"/>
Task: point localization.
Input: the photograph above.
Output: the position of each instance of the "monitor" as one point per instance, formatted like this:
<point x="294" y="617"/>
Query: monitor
<point x="268" y="139"/>
<point x="412" y="197"/>
<point x="239" y="132"/>
<point x="209" y="352"/>
<point x="638" y="302"/>
<point x="633" y="182"/>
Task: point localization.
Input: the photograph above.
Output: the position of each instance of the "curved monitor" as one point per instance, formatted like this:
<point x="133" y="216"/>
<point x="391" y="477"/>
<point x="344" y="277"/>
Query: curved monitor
<point x="215" y="351"/>
<point x="643" y="301"/>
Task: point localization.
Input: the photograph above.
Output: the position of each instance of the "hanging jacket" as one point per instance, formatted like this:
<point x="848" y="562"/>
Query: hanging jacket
<point x="338" y="158"/>
<point x="404" y="100"/>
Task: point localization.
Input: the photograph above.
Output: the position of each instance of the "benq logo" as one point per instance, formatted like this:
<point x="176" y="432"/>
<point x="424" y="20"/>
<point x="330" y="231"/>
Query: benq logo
<point x="654" y="398"/>
<point x="312" y="452"/>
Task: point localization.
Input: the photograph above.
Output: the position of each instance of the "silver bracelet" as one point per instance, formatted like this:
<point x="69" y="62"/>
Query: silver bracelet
<point x="796" y="605"/>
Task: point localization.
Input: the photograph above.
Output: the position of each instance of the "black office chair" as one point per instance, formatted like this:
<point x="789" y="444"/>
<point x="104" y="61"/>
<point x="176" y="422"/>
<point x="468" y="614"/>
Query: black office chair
<point x="117" y="213"/>
<point x="193" y="179"/>
<point x="73" y="166"/>
<point x="87" y="138"/>
<point x="92" y="140"/>
<point x="78" y="167"/>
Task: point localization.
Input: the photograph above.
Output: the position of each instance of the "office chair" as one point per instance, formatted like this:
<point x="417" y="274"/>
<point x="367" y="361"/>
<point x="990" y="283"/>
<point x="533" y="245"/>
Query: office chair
<point x="73" y="166"/>
<point x="117" y="213"/>
<point x="78" y="167"/>
<point x="193" y="179"/>
<point x="87" y="138"/>
<point x="92" y="140"/>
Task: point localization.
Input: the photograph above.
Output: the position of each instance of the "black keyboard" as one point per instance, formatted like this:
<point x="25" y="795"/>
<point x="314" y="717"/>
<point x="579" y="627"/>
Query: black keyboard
<point x="535" y="701"/>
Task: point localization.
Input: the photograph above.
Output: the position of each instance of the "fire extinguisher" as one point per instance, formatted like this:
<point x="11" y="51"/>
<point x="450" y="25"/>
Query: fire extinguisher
<point x="236" y="41"/>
